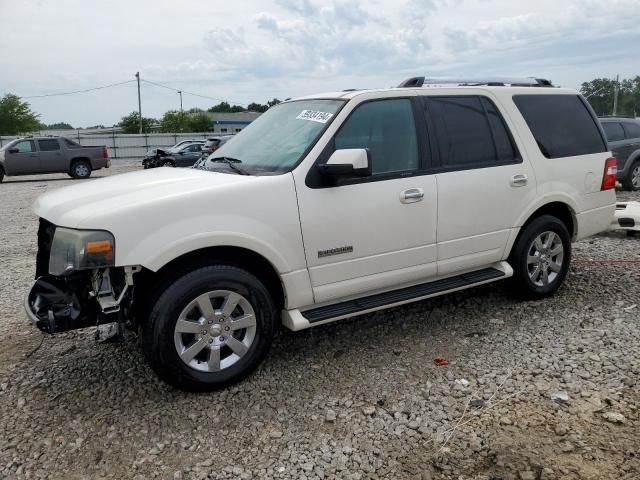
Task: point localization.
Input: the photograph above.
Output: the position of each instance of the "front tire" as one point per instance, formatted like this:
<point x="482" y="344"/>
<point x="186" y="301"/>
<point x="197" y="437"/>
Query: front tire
<point x="632" y="182"/>
<point x="80" y="169"/>
<point x="540" y="258"/>
<point x="209" y="329"/>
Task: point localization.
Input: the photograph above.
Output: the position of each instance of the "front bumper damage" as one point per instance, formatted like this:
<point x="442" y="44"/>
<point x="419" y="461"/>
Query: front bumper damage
<point x="78" y="299"/>
<point x="85" y="299"/>
<point x="59" y="304"/>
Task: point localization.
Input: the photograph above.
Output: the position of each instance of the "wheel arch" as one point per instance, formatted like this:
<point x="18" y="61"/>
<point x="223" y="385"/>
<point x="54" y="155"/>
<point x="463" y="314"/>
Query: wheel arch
<point x="75" y="160"/>
<point x="559" y="209"/>
<point x="150" y="284"/>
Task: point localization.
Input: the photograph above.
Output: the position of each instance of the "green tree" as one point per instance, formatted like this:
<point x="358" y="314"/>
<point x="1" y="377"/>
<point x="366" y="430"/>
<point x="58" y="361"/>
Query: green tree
<point x="175" y="121"/>
<point x="257" y="107"/>
<point x="16" y="116"/>
<point x="131" y="123"/>
<point x="226" y="107"/>
<point x="56" y="126"/>
<point x="199" y="122"/>
<point x="273" y="102"/>
<point x="600" y="93"/>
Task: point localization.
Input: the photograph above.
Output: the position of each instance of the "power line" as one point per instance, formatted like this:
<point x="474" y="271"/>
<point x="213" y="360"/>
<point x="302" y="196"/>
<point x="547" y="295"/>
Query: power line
<point x="191" y="93"/>
<point x="79" y="91"/>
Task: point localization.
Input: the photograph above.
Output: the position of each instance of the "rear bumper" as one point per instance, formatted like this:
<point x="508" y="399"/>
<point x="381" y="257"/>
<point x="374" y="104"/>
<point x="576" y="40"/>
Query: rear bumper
<point x="594" y="221"/>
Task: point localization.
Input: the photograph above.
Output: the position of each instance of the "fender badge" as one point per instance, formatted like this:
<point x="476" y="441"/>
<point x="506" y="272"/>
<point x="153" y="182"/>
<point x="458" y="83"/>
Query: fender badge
<point x="335" y="251"/>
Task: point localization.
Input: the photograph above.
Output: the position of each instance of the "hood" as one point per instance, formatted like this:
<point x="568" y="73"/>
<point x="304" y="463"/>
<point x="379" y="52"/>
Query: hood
<point x="82" y="205"/>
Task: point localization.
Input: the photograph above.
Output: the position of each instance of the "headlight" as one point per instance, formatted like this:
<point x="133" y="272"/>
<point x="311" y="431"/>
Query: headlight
<point x="73" y="250"/>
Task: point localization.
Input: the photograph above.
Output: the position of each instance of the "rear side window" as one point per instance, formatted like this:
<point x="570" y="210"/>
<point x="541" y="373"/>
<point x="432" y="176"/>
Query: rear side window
<point x="470" y="132"/>
<point x="48" y="145"/>
<point x="632" y="129"/>
<point x="613" y="131"/>
<point x="71" y="144"/>
<point x="561" y="124"/>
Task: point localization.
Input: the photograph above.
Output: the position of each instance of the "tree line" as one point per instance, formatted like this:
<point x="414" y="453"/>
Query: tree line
<point x="601" y="93"/>
<point x="192" y="120"/>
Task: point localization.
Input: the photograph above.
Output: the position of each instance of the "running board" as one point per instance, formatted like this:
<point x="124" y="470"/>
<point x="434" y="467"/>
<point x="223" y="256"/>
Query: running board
<point x="297" y="320"/>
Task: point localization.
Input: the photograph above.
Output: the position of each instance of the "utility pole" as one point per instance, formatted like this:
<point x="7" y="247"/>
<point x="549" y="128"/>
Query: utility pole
<point x="615" y="96"/>
<point x="139" y="102"/>
<point x="180" y="93"/>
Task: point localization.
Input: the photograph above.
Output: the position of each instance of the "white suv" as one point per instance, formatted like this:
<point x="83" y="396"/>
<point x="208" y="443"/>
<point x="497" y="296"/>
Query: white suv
<point x="327" y="207"/>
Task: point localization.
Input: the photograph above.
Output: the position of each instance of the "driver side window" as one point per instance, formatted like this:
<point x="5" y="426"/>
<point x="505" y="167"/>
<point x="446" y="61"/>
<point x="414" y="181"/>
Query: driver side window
<point x="25" y="146"/>
<point x="387" y="129"/>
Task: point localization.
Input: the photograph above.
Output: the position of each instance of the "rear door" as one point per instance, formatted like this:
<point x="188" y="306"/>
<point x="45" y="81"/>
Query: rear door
<point x="52" y="158"/>
<point x="22" y="158"/>
<point x="484" y="184"/>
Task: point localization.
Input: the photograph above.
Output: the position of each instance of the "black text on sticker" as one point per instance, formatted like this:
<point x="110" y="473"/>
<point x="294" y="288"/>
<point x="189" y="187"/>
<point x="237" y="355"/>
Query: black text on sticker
<point x="315" y="116"/>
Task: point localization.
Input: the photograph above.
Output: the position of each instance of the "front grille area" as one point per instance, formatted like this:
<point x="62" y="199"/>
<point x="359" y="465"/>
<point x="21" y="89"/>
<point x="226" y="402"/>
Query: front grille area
<point x="45" y="238"/>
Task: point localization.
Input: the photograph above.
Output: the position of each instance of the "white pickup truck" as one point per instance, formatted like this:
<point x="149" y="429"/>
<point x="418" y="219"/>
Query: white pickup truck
<point x="327" y="207"/>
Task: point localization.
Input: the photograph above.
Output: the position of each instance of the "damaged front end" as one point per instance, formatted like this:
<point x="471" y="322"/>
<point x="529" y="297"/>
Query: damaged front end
<point x="76" y="284"/>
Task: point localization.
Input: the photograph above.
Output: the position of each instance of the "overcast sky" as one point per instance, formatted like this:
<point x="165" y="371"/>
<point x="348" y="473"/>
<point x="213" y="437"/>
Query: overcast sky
<point x="249" y="50"/>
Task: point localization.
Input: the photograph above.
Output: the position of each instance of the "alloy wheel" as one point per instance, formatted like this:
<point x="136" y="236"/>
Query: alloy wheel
<point x="635" y="177"/>
<point x="215" y="330"/>
<point x="544" y="258"/>
<point x="81" y="170"/>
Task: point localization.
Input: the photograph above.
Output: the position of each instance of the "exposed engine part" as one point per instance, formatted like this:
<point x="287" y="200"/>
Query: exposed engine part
<point x="57" y="304"/>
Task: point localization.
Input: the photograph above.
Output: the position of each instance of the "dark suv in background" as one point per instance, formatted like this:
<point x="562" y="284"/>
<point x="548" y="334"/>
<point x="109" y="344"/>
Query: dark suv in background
<point x="623" y="135"/>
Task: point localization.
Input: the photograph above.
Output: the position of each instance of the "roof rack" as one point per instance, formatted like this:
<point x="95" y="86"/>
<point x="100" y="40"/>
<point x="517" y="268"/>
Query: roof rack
<point x="416" y="82"/>
<point x="616" y="116"/>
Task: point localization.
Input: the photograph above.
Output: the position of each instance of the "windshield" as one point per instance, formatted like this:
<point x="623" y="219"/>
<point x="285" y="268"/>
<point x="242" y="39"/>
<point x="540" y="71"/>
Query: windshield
<point x="276" y="140"/>
<point x="4" y="147"/>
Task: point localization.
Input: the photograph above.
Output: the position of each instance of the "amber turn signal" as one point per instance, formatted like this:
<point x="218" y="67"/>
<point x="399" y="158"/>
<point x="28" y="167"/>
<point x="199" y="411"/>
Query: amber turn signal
<point x="102" y="246"/>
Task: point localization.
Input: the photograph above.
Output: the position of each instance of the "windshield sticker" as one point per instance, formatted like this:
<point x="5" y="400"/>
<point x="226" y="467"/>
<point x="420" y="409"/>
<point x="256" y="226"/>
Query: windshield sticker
<point x="314" y="116"/>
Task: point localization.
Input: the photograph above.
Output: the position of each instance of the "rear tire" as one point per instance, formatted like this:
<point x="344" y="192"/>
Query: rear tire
<point x="192" y="339"/>
<point x="540" y="258"/>
<point x="80" y="169"/>
<point x="632" y="181"/>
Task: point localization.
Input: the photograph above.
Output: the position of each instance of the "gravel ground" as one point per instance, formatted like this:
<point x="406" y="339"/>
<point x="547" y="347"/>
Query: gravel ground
<point x="533" y="390"/>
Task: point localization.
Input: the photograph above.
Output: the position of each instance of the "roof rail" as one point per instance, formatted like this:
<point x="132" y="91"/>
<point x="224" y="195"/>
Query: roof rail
<point x="616" y="116"/>
<point x="416" y="82"/>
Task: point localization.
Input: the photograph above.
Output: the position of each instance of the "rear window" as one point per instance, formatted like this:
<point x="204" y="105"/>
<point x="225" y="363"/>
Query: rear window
<point x="632" y="129"/>
<point x="48" y="145"/>
<point x="561" y="124"/>
<point x="470" y="131"/>
<point x="613" y="131"/>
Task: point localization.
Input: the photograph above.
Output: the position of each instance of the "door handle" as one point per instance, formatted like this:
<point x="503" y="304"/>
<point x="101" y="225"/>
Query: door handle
<point x="519" y="180"/>
<point x="412" y="195"/>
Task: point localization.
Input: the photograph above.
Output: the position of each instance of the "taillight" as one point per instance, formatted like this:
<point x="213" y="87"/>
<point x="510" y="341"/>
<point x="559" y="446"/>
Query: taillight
<point x="610" y="174"/>
<point x="105" y="152"/>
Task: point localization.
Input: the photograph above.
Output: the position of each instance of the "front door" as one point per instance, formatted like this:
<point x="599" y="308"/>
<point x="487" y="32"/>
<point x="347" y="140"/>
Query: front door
<point x="22" y="158"/>
<point x="376" y="233"/>
<point x="484" y="184"/>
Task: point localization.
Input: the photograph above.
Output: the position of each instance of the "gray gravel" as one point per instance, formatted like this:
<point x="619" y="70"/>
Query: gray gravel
<point x="533" y="390"/>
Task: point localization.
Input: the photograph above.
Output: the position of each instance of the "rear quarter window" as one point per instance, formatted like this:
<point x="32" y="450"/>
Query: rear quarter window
<point x="632" y="130"/>
<point x="562" y="125"/>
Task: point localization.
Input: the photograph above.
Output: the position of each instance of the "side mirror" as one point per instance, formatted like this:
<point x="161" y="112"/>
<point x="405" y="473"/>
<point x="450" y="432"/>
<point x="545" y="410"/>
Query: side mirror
<point x="14" y="150"/>
<point x="349" y="162"/>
